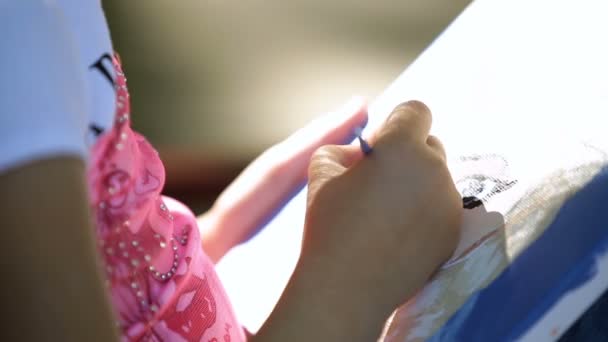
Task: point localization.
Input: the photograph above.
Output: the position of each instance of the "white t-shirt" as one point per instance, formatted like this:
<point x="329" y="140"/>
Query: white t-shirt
<point x="57" y="90"/>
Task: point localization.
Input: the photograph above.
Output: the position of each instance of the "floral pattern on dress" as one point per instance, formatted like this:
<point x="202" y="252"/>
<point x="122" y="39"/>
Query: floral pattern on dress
<point x="162" y="285"/>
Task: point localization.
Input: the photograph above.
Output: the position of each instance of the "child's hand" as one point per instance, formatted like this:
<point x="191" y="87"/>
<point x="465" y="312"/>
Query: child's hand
<point x="377" y="227"/>
<point x="385" y="220"/>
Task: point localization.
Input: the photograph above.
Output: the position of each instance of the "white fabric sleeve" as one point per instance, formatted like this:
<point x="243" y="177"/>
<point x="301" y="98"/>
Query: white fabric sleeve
<point x="43" y="110"/>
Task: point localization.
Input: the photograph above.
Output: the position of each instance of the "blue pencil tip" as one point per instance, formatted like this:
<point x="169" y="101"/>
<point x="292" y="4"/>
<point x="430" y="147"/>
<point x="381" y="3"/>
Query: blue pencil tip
<point x="365" y="148"/>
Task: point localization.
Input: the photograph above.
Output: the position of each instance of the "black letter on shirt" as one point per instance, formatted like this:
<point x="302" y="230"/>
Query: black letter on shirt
<point x="102" y="68"/>
<point x="96" y="129"/>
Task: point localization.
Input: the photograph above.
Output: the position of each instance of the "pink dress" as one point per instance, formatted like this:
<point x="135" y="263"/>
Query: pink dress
<point x="162" y="284"/>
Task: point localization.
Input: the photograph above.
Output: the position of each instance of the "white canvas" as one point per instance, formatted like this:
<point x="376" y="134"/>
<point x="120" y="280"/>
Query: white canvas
<point x="519" y="95"/>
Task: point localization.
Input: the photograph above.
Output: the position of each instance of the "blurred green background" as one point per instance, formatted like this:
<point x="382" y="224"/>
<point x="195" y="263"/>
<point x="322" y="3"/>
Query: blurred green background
<point x="214" y="83"/>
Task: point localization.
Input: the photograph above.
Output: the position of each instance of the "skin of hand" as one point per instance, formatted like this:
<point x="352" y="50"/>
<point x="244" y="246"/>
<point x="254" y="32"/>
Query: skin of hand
<point x="52" y="288"/>
<point x="376" y="229"/>
<point x="270" y="180"/>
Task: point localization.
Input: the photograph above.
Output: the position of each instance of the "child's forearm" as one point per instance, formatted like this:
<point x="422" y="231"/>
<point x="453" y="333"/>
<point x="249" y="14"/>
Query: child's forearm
<point x="270" y="180"/>
<point x="309" y="312"/>
<point x="214" y="241"/>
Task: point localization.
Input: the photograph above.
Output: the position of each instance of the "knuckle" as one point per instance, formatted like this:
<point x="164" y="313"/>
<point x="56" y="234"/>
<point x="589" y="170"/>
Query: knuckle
<point x="436" y="146"/>
<point x="320" y="155"/>
<point x="435" y="159"/>
<point x="407" y="120"/>
<point x="434" y="141"/>
<point x="418" y="107"/>
<point x="437" y="162"/>
<point x="323" y="162"/>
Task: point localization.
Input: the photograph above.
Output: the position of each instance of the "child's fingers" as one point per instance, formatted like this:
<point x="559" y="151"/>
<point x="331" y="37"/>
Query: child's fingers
<point x="269" y="182"/>
<point x="333" y="128"/>
<point x="277" y="172"/>
<point x="289" y="159"/>
<point x="409" y="121"/>
<point x="435" y="144"/>
<point x="329" y="162"/>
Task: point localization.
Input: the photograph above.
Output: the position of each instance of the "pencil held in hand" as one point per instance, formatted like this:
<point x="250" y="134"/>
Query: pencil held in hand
<point x="365" y="148"/>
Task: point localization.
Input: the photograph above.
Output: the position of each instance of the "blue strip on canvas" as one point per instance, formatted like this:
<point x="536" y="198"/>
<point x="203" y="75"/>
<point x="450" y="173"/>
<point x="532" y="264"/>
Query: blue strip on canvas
<point x="559" y="261"/>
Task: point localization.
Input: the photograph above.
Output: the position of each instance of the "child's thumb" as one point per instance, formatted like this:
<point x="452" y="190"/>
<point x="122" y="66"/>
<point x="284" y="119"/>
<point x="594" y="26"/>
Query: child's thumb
<point x="329" y="162"/>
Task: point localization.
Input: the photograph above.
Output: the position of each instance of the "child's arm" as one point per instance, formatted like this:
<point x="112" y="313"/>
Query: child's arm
<point x="376" y="229"/>
<point x="52" y="289"/>
<point x="271" y="179"/>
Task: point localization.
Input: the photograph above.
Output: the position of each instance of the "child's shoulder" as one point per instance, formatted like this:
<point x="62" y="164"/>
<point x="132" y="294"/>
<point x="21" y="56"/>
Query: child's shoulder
<point x="54" y="97"/>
